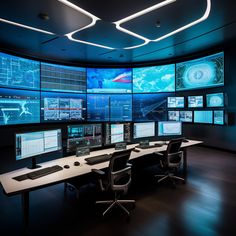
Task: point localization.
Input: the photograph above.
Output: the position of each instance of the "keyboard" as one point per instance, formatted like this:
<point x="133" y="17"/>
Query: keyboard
<point x="150" y="146"/>
<point x="45" y="171"/>
<point x="98" y="159"/>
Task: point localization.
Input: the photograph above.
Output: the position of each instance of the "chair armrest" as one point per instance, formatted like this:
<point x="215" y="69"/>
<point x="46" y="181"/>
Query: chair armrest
<point x="129" y="165"/>
<point x="159" y="154"/>
<point x="99" y="172"/>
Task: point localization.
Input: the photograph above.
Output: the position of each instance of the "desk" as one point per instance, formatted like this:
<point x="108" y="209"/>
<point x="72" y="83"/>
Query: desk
<point x="13" y="187"/>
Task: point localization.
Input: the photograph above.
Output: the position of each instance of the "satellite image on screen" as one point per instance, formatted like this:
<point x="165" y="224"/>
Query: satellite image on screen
<point x="150" y="107"/>
<point x="62" y="107"/>
<point x="19" y="107"/>
<point x="215" y="100"/>
<point x="109" y="80"/>
<point x="154" y="79"/>
<point x="17" y="72"/>
<point x="201" y="73"/>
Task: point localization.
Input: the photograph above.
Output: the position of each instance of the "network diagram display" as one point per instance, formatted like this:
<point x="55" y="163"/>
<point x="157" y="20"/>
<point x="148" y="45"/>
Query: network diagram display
<point x="200" y="73"/>
<point x="175" y="102"/>
<point x="195" y="101"/>
<point x="215" y="100"/>
<point x="17" y="72"/>
<point x="219" y="117"/>
<point x="63" y="78"/>
<point x="173" y="115"/>
<point x="169" y="128"/>
<point x="205" y="117"/>
<point x="186" y="116"/>
<point x="19" y="106"/>
<point x="109" y="80"/>
<point x="148" y="107"/>
<point x="154" y="79"/>
<point x="37" y="143"/>
<point x="62" y="107"/>
<point x="143" y="130"/>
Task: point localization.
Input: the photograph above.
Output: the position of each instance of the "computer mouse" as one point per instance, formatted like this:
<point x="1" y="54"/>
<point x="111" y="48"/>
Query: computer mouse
<point x="66" y="166"/>
<point x="76" y="163"/>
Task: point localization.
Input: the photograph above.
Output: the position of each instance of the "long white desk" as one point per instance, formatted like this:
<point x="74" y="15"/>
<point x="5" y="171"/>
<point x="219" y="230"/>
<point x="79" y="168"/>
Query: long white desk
<point x="13" y="187"/>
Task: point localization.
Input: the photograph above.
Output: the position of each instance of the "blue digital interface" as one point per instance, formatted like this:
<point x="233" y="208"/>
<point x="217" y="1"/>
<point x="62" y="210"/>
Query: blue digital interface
<point x="201" y="73"/>
<point x="109" y="80"/>
<point x="148" y="107"/>
<point x="63" y="78"/>
<point x="219" y="117"/>
<point x="195" y="101"/>
<point x="175" y="102"/>
<point x="205" y="117"/>
<point x="154" y="79"/>
<point x="62" y="107"/>
<point x="169" y="128"/>
<point x="215" y="100"/>
<point x="186" y="116"/>
<point x="173" y="115"/>
<point x="144" y="130"/>
<point x="19" y="106"/>
<point x="17" y="72"/>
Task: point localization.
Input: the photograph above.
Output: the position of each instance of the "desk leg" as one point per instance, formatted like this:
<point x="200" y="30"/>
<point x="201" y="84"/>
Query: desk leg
<point x="185" y="163"/>
<point x="25" y="208"/>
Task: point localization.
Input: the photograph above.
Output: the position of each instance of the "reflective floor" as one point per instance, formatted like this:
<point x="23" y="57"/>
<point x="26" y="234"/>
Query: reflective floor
<point x="205" y="205"/>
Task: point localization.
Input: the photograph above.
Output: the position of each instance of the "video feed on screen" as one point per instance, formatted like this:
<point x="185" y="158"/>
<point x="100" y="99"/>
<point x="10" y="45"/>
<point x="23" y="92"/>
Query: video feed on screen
<point x="173" y="115"/>
<point x="20" y="73"/>
<point x="63" y="78"/>
<point x="175" y="102"/>
<point x="148" y="107"/>
<point x="62" y="107"/>
<point x="219" y="117"/>
<point x="169" y="128"/>
<point x="215" y="100"/>
<point x="116" y="80"/>
<point x="195" y="101"/>
<point x="154" y="79"/>
<point x="205" y="117"/>
<point x="19" y="107"/>
<point x="200" y="73"/>
<point x="186" y="116"/>
<point x="144" y="130"/>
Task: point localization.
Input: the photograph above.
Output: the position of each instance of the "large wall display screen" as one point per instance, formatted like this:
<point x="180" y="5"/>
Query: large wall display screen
<point x="154" y="79"/>
<point x="19" y="106"/>
<point x="63" y="78"/>
<point x="109" y="80"/>
<point x="17" y="72"/>
<point x="201" y="73"/>
<point x="148" y="107"/>
<point x="62" y="107"/>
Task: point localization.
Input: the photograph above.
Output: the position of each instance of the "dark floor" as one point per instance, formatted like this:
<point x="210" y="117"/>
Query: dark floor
<point x="205" y="205"/>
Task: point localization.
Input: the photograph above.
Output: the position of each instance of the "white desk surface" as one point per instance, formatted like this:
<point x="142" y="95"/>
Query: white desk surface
<point x="12" y="186"/>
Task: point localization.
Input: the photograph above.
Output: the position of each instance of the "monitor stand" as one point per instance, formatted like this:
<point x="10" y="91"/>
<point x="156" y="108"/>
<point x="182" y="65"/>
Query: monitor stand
<point x="34" y="164"/>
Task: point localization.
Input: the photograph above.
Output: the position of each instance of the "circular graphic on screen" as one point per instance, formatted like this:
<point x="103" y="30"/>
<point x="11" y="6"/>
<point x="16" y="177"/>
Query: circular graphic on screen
<point x="216" y="101"/>
<point x="199" y="75"/>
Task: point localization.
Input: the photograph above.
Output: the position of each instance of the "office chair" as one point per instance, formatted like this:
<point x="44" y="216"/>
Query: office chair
<point x="171" y="161"/>
<point x="117" y="179"/>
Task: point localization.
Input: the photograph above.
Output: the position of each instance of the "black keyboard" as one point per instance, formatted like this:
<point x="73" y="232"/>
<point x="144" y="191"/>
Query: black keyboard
<point x="45" y="171"/>
<point x="98" y="159"/>
<point x="150" y="146"/>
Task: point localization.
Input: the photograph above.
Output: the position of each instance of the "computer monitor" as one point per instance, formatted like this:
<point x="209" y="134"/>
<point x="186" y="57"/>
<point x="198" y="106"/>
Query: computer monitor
<point x="169" y="128"/>
<point x="117" y="133"/>
<point x="195" y="101"/>
<point x="38" y="143"/>
<point x="143" y="130"/>
<point x="186" y="116"/>
<point x="84" y="135"/>
<point x="175" y="102"/>
<point x="215" y="100"/>
<point x="205" y="117"/>
<point x="173" y="115"/>
<point x="219" y="117"/>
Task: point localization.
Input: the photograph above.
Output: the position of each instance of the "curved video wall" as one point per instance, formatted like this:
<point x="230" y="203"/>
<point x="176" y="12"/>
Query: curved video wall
<point x="37" y="92"/>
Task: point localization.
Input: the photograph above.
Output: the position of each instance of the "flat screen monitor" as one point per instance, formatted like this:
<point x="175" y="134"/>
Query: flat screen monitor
<point x="154" y="79"/>
<point x="215" y="100"/>
<point x="18" y="72"/>
<point x="149" y="107"/>
<point x="143" y="130"/>
<point x="115" y="80"/>
<point x="186" y="116"/>
<point x="195" y="101"/>
<point x="84" y="135"/>
<point x="58" y="107"/>
<point x="205" y="117"/>
<point x="173" y="115"/>
<point x="175" y="102"/>
<point x="169" y="128"/>
<point x="33" y="144"/>
<point x="200" y="73"/>
<point x="117" y="133"/>
<point x="219" y="117"/>
<point x="19" y="106"/>
<point x="63" y="78"/>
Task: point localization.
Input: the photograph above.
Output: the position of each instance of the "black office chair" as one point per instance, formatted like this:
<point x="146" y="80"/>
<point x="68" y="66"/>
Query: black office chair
<point x="171" y="161"/>
<point x="117" y="179"/>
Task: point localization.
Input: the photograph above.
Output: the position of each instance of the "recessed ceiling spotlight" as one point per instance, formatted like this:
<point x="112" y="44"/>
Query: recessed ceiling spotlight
<point x="43" y="16"/>
<point x="158" y="24"/>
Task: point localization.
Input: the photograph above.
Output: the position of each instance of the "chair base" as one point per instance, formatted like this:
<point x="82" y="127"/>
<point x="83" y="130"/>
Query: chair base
<point x="169" y="176"/>
<point x="115" y="202"/>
